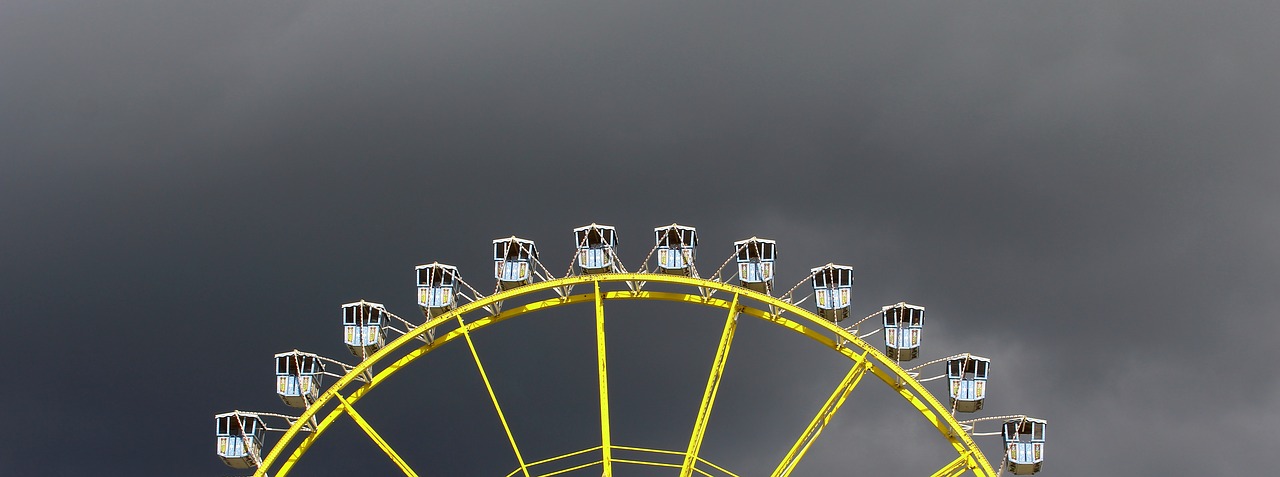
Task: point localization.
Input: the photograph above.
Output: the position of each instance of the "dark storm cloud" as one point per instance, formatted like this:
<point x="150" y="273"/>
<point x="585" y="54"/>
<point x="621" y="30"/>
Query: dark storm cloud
<point x="1084" y="192"/>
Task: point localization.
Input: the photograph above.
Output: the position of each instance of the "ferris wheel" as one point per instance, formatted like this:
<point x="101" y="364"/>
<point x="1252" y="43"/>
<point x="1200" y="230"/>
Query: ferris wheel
<point x="452" y="310"/>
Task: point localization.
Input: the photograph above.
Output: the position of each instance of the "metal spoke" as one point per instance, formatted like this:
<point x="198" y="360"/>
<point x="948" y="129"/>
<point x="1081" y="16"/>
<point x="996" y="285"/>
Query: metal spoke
<point x="956" y="467"/>
<point x="382" y="444"/>
<point x="494" y="397"/>
<point x="606" y="446"/>
<point x="819" y="422"/>
<point x="709" y="394"/>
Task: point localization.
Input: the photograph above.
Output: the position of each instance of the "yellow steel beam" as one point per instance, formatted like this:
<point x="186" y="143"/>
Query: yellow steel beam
<point x="814" y="327"/>
<point x="709" y="394"/>
<point x="494" y="397"/>
<point x="606" y="445"/>
<point x="377" y="439"/>
<point x="956" y="467"/>
<point x="821" y="419"/>
<point x="571" y="469"/>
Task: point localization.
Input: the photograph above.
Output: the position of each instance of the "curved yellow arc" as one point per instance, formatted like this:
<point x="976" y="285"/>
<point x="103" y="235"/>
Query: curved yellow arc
<point x="849" y="345"/>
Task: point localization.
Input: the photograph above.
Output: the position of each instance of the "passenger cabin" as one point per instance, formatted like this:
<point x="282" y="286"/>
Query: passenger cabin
<point x="597" y="248"/>
<point x="832" y="287"/>
<point x="903" y="324"/>
<point x="299" y="377"/>
<point x="437" y="287"/>
<point x="755" y="263"/>
<point x="677" y="247"/>
<point x="513" y="261"/>
<point x="967" y="377"/>
<point x="1024" y="444"/>
<point x="240" y="439"/>
<point x="362" y="327"/>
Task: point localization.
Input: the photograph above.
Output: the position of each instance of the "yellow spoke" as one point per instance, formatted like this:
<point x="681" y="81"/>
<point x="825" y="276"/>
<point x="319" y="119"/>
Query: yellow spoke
<point x="605" y="445"/>
<point x="823" y="417"/>
<point x="956" y="467"/>
<point x="382" y="444"/>
<point x="494" y="397"/>
<point x="709" y="394"/>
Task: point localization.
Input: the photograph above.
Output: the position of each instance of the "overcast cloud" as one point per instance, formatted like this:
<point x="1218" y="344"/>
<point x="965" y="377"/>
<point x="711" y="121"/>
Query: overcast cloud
<point x="1084" y="191"/>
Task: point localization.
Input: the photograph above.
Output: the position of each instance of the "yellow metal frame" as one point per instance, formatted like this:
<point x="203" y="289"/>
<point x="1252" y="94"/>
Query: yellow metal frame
<point x="865" y="357"/>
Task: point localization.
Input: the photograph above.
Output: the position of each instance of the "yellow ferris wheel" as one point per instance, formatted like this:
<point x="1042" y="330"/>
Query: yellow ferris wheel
<point x="454" y="311"/>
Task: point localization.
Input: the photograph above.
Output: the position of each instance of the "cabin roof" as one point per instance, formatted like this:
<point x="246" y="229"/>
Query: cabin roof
<point x="436" y="265"/>
<point x="830" y="265"/>
<point x="299" y="353"/>
<point x="362" y="302"/>
<point x="901" y="304"/>
<point x="594" y="226"/>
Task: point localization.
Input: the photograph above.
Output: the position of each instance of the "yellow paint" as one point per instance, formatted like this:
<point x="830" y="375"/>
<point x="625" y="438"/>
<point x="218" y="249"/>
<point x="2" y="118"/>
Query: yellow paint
<point x="493" y="397"/>
<point x="808" y="324"/>
<point x="602" y="367"/>
<point x="377" y="439"/>
<point x="709" y="394"/>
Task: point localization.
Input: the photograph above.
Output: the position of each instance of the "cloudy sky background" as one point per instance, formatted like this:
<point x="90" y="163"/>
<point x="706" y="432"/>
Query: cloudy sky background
<point x="1084" y="191"/>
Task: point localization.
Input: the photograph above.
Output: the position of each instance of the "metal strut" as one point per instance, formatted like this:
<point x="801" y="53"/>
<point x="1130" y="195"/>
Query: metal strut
<point x="606" y="445"/>
<point x="488" y="386"/>
<point x="382" y="444"/>
<point x="713" y="386"/>
<point x="823" y="417"/>
<point x="958" y="466"/>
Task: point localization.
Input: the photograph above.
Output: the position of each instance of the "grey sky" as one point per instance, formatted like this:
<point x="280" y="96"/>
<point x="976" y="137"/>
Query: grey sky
<point x="1084" y="191"/>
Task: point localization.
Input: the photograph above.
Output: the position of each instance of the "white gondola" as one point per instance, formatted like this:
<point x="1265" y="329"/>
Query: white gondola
<point x="437" y="288"/>
<point x="362" y="329"/>
<point x="597" y="248"/>
<point x="967" y="381"/>
<point x="903" y="325"/>
<point x="755" y="263"/>
<point x="1024" y="444"/>
<point x="832" y="287"/>
<point x="677" y="248"/>
<point x="240" y="439"/>
<point x="298" y="378"/>
<point x="513" y="261"/>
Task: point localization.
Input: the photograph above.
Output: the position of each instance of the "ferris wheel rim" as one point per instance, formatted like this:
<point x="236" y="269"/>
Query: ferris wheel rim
<point x="970" y="456"/>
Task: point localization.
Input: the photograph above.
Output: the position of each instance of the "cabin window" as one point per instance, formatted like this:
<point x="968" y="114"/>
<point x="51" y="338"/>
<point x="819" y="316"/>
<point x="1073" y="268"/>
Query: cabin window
<point x="424" y="276"/>
<point x="282" y="365"/>
<point x="595" y="237"/>
<point x="891" y="317"/>
<point x="223" y="426"/>
<point x="981" y="371"/>
<point x="756" y="251"/>
<point x="1037" y="432"/>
